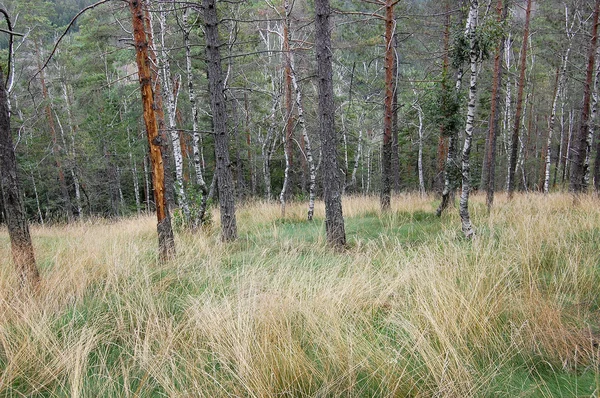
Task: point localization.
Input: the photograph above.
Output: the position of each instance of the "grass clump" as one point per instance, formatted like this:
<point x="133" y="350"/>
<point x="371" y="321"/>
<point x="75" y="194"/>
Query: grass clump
<point x="408" y="309"/>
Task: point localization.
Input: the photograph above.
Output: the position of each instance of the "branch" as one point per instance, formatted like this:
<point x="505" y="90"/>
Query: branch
<point x="12" y="33"/>
<point x="80" y="13"/>
<point x="10" y="43"/>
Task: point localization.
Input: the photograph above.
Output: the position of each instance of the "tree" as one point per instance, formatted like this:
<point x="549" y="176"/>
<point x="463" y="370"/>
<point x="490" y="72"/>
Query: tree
<point x="474" y="57"/>
<point x="519" y="105"/>
<point x="388" y="113"/>
<point x="581" y="145"/>
<point x="217" y="100"/>
<point x="501" y="11"/>
<point x="12" y="199"/>
<point x="166" y="241"/>
<point x="334" y="219"/>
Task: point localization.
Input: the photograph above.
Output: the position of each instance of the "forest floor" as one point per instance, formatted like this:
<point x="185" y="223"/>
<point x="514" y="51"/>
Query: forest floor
<point x="410" y="308"/>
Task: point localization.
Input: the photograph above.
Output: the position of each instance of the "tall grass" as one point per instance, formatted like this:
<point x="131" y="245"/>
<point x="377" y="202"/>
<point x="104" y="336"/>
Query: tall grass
<point x="409" y="309"/>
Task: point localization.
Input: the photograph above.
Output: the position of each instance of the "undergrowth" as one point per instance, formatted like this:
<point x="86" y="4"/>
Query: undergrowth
<point x="409" y="308"/>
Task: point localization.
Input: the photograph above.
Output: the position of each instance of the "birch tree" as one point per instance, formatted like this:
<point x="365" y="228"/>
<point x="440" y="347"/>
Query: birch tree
<point x="474" y="58"/>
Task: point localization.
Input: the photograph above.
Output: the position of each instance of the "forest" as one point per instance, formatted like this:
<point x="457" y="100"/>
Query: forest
<point x="350" y="198"/>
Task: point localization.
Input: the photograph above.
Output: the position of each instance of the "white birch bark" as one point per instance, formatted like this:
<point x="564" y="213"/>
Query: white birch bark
<point x="37" y="200"/>
<point x="356" y="159"/>
<point x="146" y="184"/>
<point x="172" y="96"/>
<point x="551" y="123"/>
<point x="466" y="166"/>
<point x="72" y="165"/>
<point x="307" y="146"/>
<point x="197" y="146"/>
<point x="134" y="174"/>
<point x="507" y="122"/>
<point x="419" y="110"/>
<point x="592" y="122"/>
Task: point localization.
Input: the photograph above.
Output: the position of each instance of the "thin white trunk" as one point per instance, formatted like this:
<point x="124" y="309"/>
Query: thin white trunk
<point x="569" y="139"/>
<point x="551" y="123"/>
<point x="197" y="146"/>
<point x="356" y="159"/>
<point x="134" y="174"/>
<point x="369" y="151"/>
<point x="592" y="123"/>
<point x="37" y="200"/>
<point x="507" y="108"/>
<point x="307" y="146"/>
<point x="419" y="110"/>
<point x="466" y="166"/>
<point x="72" y="165"/>
<point x="146" y="184"/>
<point x="172" y="95"/>
<point x="120" y="190"/>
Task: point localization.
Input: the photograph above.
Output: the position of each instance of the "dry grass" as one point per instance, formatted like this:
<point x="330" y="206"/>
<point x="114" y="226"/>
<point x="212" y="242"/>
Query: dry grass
<point x="409" y="309"/>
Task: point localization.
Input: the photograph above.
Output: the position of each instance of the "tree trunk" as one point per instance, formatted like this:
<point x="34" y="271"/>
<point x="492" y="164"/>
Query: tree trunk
<point x="72" y="163"/>
<point x="580" y="145"/>
<point x="218" y="105"/>
<point x="312" y="186"/>
<point x="55" y="148"/>
<point x="288" y="134"/>
<point x="166" y="241"/>
<point x="551" y="123"/>
<point x="592" y="124"/>
<point x="334" y="220"/>
<point x="467" y="228"/>
<point x="442" y="150"/>
<point x="172" y="96"/>
<point x="502" y="11"/>
<point x="452" y="169"/>
<point x="519" y="105"/>
<point x="12" y="201"/>
<point x="386" y="149"/>
<point x="419" y="110"/>
<point x="158" y="108"/>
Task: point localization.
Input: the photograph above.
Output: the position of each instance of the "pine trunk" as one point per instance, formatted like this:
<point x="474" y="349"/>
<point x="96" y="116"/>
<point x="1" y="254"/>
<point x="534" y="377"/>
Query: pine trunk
<point x="334" y="220"/>
<point x="386" y="150"/>
<point x="13" y="203"/>
<point x="501" y="11"/>
<point x="166" y="241"/>
<point x="519" y="105"/>
<point x="219" y="112"/>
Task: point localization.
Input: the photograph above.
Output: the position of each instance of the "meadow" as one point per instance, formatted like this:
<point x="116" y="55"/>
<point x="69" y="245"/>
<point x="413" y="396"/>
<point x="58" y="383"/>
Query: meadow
<point x="409" y="309"/>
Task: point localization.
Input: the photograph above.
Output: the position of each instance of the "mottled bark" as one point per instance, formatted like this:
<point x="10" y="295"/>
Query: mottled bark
<point x="13" y="203"/>
<point x="172" y="95"/>
<point x="307" y="148"/>
<point x="334" y="220"/>
<point x="217" y="99"/>
<point x="288" y="133"/>
<point x="166" y="241"/>
<point x="467" y="227"/>
<point x="551" y="123"/>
